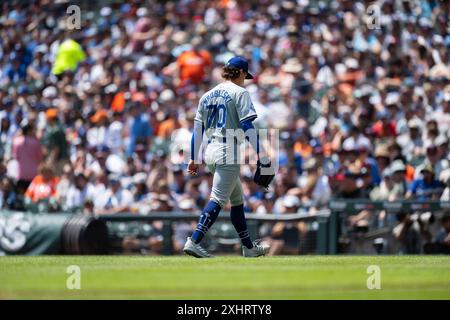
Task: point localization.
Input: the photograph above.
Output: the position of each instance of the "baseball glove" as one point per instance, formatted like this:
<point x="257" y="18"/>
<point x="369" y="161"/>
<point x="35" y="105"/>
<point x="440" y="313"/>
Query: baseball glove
<point x="264" y="173"/>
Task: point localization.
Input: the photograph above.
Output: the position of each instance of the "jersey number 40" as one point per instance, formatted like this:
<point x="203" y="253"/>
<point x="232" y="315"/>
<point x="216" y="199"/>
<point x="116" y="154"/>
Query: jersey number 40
<point x="218" y="115"/>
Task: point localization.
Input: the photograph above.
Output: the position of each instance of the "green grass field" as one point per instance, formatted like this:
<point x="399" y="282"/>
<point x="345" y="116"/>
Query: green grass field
<point x="305" y="277"/>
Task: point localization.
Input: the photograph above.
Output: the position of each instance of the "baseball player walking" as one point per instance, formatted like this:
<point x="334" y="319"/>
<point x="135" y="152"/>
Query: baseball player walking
<point x="226" y="108"/>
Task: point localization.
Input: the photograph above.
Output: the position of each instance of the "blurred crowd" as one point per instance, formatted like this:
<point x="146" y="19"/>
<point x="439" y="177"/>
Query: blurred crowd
<point x="90" y="116"/>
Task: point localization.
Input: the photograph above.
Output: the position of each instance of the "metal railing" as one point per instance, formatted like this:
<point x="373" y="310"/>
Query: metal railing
<point x="355" y="205"/>
<point x="253" y="222"/>
<point x="329" y="220"/>
<point x="340" y="209"/>
<point x="329" y="231"/>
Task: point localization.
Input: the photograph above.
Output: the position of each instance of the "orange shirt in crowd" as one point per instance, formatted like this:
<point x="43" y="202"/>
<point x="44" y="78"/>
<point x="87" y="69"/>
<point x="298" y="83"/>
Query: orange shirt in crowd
<point x="409" y="173"/>
<point x="41" y="189"/>
<point x="166" y="128"/>
<point x="348" y="81"/>
<point x="192" y="65"/>
<point x="305" y="150"/>
<point x="118" y="103"/>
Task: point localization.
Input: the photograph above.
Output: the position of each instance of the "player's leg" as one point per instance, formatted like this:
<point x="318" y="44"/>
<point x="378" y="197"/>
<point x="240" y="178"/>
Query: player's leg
<point x="237" y="214"/>
<point x="207" y="219"/>
<point x="224" y="180"/>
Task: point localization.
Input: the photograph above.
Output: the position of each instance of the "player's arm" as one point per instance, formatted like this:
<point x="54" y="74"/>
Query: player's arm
<point x="196" y="140"/>
<point x="264" y="170"/>
<point x="251" y="135"/>
<point x="246" y="112"/>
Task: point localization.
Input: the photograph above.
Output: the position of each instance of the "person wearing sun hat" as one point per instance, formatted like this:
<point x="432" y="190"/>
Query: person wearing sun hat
<point x="54" y="141"/>
<point x="292" y="65"/>
<point x="399" y="174"/>
<point x="426" y="187"/>
<point x="302" y="89"/>
<point x="96" y="135"/>
<point x="433" y="157"/>
<point x="388" y="190"/>
<point x="51" y="114"/>
<point x="382" y="157"/>
<point x="411" y="141"/>
<point x="285" y="236"/>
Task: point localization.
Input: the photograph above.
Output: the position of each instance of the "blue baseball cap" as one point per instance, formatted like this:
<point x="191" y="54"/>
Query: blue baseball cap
<point x="240" y="63"/>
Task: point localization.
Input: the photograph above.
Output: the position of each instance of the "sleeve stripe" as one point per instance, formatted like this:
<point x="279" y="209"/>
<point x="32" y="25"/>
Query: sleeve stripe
<point x="252" y="117"/>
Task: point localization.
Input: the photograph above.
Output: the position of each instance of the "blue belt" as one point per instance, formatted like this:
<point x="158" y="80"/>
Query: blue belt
<point x="224" y="140"/>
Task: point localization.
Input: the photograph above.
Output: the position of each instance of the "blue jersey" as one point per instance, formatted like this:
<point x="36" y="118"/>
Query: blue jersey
<point x="424" y="191"/>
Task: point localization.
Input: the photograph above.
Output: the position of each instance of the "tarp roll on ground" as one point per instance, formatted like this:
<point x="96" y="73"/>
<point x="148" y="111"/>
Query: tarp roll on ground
<point x="51" y="233"/>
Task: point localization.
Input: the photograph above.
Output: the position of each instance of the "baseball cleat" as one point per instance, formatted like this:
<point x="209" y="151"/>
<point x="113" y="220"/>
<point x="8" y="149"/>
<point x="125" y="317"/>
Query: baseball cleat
<point x="195" y="250"/>
<point x="257" y="250"/>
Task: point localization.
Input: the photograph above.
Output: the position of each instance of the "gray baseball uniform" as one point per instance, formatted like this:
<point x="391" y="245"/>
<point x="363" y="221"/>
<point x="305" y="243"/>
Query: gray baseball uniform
<point x="221" y="110"/>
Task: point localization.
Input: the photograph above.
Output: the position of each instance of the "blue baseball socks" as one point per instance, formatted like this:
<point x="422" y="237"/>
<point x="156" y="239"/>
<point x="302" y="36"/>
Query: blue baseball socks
<point x="209" y="216"/>
<point x="240" y="224"/>
<point x="207" y="219"/>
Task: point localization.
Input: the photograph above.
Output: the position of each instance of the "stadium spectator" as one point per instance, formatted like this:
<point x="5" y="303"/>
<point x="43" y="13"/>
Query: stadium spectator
<point x="96" y="136"/>
<point x="27" y="151"/>
<point x="139" y="127"/>
<point x="411" y="233"/>
<point x="348" y="182"/>
<point x="426" y="187"/>
<point x="433" y="158"/>
<point x="139" y="187"/>
<point x="114" y="134"/>
<point x="78" y="194"/>
<point x="98" y="163"/>
<point x="68" y="55"/>
<point x="399" y="170"/>
<point x="384" y="127"/>
<point x="55" y="143"/>
<point x="43" y="188"/>
<point x="285" y="236"/>
<point x="65" y="180"/>
<point x="194" y="64"/>
<point x="183" y="229"/>
<point x="388" y="190"/>
<point x="445" y="179"/>
<point x="382" y="157"/>
<point x="5" y="134"/>
<point x="8" y="196"/>
<point x="314" y="188"/>
<point x="411" y="142"/>
<point x="115" y="199"/>
<point x="443" y="237"/>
